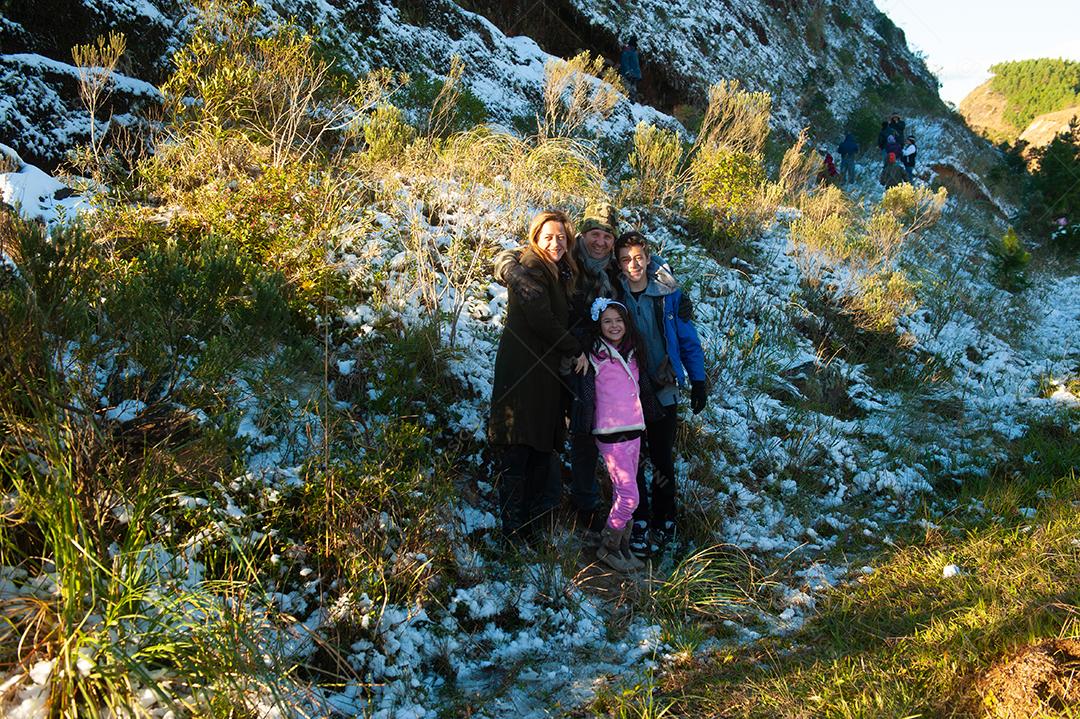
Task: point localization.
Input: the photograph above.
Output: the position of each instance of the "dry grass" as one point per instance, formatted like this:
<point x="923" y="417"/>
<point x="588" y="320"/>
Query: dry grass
<point x="576" y="93"/>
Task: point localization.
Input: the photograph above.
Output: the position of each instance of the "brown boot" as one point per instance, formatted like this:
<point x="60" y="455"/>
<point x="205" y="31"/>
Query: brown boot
<point x="624" y="549"/>
<point x="610" y="550"/>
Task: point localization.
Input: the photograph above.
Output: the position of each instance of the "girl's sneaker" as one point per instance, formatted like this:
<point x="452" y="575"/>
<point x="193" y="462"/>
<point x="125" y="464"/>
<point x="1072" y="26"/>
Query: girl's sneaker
<point x="640" y="544"/>
<point x="663" y="535"/>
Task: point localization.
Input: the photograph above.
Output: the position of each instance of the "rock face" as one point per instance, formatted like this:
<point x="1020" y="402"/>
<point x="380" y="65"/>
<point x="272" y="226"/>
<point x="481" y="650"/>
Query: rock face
<point x="816" y="59"/>
<point x="1045" y="128"/>
<point x="984" y="110"/>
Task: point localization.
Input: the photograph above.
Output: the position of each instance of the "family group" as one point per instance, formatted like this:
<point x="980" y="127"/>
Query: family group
<point x="598" y="340"/>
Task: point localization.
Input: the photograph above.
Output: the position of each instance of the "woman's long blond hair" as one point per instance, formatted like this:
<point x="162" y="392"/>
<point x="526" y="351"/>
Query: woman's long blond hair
<point x="568" y="228"/>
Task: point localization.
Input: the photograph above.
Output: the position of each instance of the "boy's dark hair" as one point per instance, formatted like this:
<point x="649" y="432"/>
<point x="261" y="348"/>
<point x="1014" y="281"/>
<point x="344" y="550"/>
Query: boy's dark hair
<point x="631" y="340"/>
<point x="633" y="238"/>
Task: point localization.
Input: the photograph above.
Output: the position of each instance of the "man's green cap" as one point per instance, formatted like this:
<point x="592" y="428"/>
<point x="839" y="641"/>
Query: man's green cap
<point x="599" y="215"/>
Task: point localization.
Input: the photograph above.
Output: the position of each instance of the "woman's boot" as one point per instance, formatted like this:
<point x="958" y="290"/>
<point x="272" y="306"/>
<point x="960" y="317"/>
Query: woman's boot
<point x="632" y="562"/>
<point x="610" y="550"/>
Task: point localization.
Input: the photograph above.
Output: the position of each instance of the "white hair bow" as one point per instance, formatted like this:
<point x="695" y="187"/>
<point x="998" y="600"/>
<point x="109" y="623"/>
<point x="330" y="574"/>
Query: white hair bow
<point x="602" y="303"/>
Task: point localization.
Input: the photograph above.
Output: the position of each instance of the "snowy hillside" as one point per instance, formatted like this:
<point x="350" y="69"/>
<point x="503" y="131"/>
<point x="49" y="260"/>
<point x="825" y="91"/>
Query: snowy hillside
<point x="822" y="442"/>
<point x="810" y="57"/>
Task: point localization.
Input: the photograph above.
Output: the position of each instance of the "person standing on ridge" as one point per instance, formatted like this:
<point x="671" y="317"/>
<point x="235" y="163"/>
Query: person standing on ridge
<point x="848" y="149"/>
<point x="630" y="67"/>
<point x="909" y="157"/>
<point x="893" y="174"/>
<point x="882" y="138"/>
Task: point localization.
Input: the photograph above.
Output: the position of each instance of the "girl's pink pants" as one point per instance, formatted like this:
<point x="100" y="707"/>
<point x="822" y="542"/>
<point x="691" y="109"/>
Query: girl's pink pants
<point x="621" y="459"/>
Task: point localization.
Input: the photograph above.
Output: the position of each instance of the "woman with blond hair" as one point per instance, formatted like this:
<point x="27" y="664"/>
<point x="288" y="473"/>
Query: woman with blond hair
<point x="527" y="420"/>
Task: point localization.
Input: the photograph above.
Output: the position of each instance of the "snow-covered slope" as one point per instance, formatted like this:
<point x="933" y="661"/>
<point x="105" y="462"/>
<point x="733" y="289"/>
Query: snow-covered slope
<point x="805" y="54"/>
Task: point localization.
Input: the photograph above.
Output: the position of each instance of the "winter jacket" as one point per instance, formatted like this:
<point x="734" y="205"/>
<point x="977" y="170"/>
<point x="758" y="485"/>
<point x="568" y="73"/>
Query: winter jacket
<point x="848" y="147"/>
<point x="894" y="146"/>
<point x="892" y="175"/>
<point x="618" y="392"/>
<point x="585" y="291"/>
<point x="897" y="129"/>
<point x="526" y="398"/>
<point x="584" y="416"/>
<point x="830" y="166"/>
<point x="883" y="138"/>
<point x="675" y="317"/>
<point x="629" y="64"/>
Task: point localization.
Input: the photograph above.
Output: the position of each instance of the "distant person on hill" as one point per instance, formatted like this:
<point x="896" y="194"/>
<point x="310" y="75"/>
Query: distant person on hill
<point x="909" y="157"/>
<point x="828" y="173"/>
<point x="893" y="145"/>
<point x="848" y="149"/>
<point x="630" y="67"/>
<point x="897" y="126"/>
<point x="893" y="174"/>
<point x="882" y="138"/>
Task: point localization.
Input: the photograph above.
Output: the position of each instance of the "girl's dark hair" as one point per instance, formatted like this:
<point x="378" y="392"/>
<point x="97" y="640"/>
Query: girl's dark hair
<point x="631" y="340"/>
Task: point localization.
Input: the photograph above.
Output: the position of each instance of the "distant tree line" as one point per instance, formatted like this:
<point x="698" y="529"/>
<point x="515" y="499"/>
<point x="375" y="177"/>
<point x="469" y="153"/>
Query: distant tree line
<point x="1035" y="87"/>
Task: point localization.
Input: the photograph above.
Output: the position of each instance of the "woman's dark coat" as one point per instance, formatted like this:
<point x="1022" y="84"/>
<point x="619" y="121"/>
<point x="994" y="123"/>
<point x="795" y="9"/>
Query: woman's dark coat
<point x="526" y="399"/>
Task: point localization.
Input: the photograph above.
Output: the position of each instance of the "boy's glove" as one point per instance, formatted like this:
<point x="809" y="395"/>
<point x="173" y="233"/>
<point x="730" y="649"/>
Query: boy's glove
<point x="698" y="396"/>
<point x="521" y="282"/>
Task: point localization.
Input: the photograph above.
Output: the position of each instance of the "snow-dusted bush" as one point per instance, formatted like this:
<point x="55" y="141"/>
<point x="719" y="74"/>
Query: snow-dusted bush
<point x="882" y="298"/>
<point x="270" y="84"/>
<point x="577" y="92"/>
<point x="656" y="162"/>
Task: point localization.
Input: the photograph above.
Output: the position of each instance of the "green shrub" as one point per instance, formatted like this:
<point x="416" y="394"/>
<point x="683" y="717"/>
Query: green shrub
<point x="865" y="122"/>
<point x="386" y="134"/>
<point x="269" y="84"/>
<point x="842" y="18"/>
<point x="194" y="299"/>
<point x="1010" y="260"/>
<point x="466" y="109"/>
<point x="725" y="179"/>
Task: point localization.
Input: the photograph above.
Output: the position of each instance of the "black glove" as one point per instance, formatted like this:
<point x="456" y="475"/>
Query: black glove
<point x="522" y="283"/>
<point x="698" y="396"/>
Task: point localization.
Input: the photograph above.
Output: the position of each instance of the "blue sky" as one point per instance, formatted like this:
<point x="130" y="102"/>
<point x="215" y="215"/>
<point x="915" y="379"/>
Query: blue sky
<point x="961" y="38"/>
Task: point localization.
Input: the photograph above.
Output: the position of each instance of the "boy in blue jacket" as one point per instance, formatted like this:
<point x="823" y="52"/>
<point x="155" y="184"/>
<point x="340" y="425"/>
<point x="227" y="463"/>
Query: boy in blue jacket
<point x="664" y="318"/>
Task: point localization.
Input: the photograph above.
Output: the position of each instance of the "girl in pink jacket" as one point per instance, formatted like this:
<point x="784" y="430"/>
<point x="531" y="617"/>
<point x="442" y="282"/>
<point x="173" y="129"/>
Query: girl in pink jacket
<point x="618" y="424"/>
